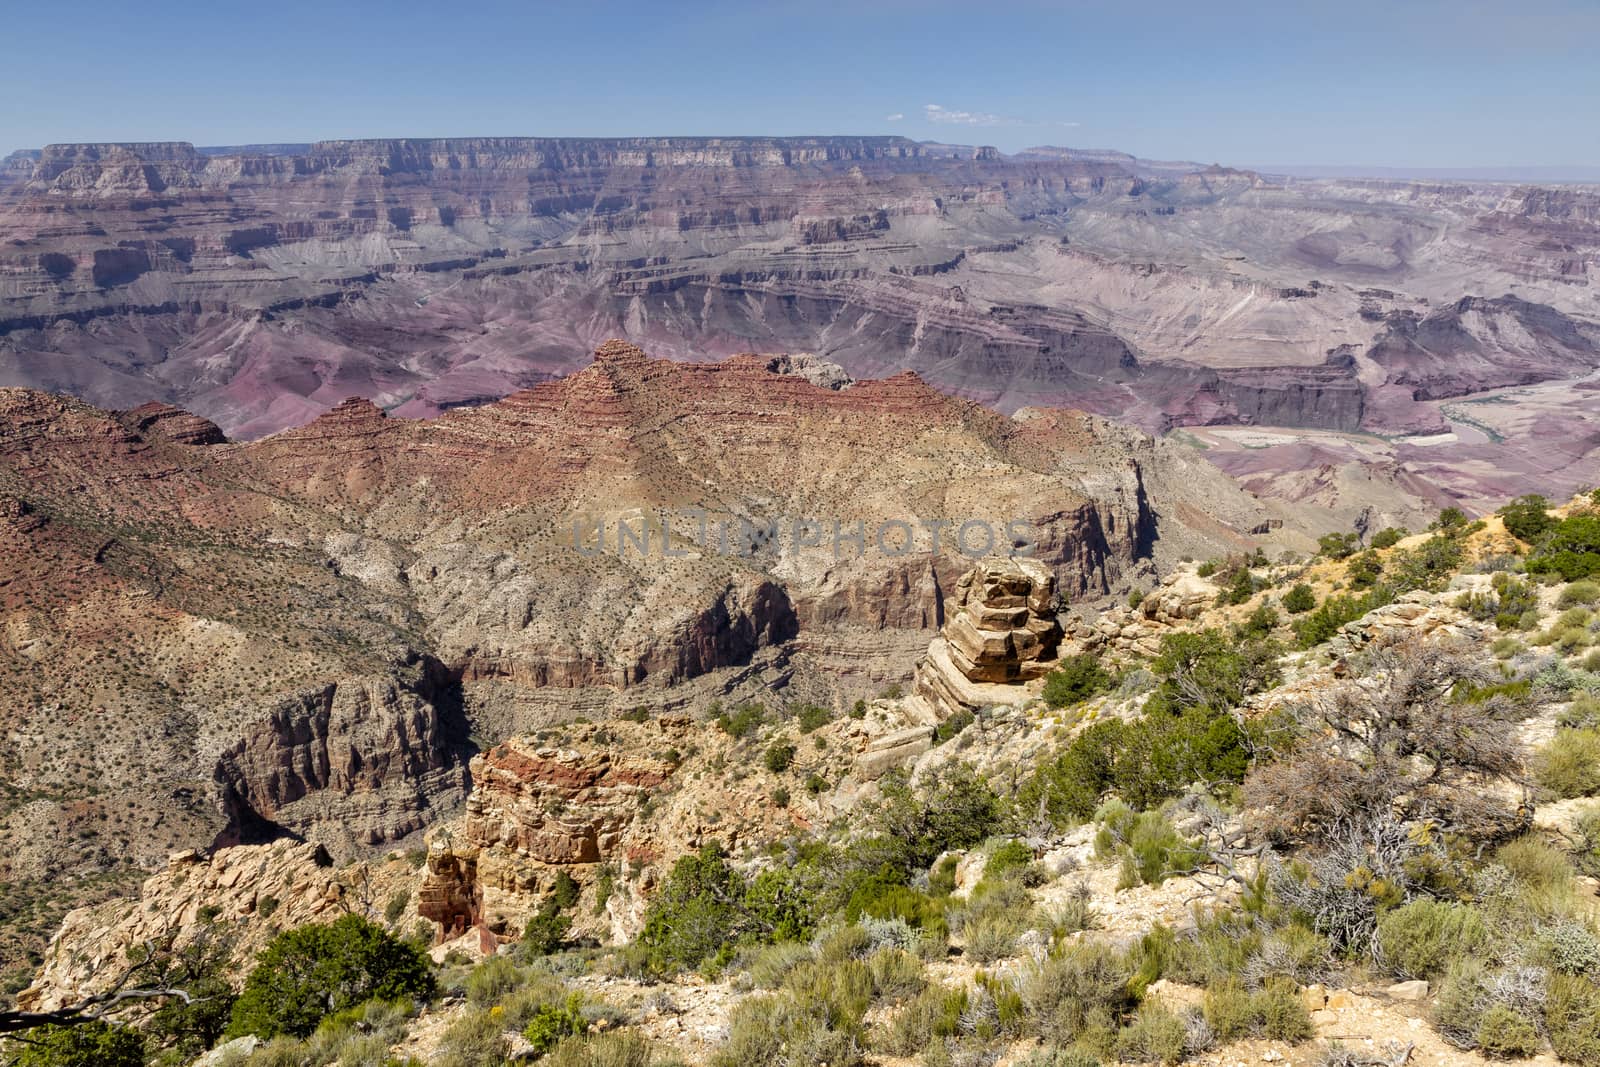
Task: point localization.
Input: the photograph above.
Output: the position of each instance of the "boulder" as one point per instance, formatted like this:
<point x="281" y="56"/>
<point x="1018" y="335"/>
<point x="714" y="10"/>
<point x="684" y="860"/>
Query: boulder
<point x="898" y="749"/>
<point x="235" y="1051"/>
<point x="1414" y="990"/>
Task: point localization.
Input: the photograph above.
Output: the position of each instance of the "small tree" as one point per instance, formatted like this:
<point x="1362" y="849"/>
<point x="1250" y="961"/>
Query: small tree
<point x="1077" y="679"/>
<point x="546" y="931"/>
<point x="779" y="756"/>
<point x="1210" y="669"/>
<point x="955" y="808"/>
<point x="1068" y="788"/>
<point x="1365" y="570"/>
<point x="1572" y="550"/>
<point x="1242" y="588"/>
<point x="1299" y="600"/>
<point x="90" y="1044"/>
<point x="565" y="890"/>
<point x="313" y="971"/>
<point x="1338" y="545"/>
<point x="191" y="1025"/>
<point x="1260" y="624"/>
<point x="1388" y="537"/>
<point x="1527" y="517"/>
<point x="698" y="916"/>
<point x="1418" y="730"/>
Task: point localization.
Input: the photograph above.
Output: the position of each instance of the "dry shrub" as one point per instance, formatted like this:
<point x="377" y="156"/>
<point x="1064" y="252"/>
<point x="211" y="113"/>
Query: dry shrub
<point x="1569" y="766"/>
<point x="1418" y="724"/>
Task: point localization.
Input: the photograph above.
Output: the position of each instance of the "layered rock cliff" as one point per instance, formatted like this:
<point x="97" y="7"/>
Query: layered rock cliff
<point x="608" y="807"/>
<point x="353" y="764"/>
<point x="1000" y="631"/>
<point x="261" y="285"/>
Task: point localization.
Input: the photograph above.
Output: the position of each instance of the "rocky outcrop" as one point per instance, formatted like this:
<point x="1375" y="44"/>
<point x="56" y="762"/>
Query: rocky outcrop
<point x="610" y="798"/>
<point x="536" y="810"/>
<point x="1000" y="631"/>
<point x="173" y="424"/>
<point x="354" y="764"/>
<point x="558" y="807"/>
<point x="1329" y="396"/>
<point x="251" y="891"/>
<point x="450" y="894"/>
<point x="226" y="905"/>
<point x="887" y="751"/>
<point x="1476" y="344"/>
<point x="1173" y="605"/>
<point x="1000" y="621"/>
<point x="812" y="368"/>
<point x="1417" y="614"/>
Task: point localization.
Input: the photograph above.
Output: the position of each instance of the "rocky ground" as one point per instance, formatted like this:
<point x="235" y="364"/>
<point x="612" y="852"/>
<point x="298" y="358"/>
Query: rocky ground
<point x="626" y="797"/>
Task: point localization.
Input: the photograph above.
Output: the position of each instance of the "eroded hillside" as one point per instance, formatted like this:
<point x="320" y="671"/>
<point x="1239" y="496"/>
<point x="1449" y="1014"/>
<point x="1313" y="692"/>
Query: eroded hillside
<point x="1326" y="811"/>
<point x="313" y="632"/>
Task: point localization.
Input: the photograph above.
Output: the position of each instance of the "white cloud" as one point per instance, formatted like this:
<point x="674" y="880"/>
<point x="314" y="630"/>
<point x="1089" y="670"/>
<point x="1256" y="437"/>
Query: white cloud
<point x="952" y="117"/>
<point x="896" y="117"/>
<point x="955" y="117"/>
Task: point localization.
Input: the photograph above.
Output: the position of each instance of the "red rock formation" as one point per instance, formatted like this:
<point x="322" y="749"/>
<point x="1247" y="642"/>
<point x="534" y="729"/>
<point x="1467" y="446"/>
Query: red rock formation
<point x="557" y="807"/>
<point x="173" y="424"/>
<point x="604" y="797"/>
<point x="449" y="894"/>
<point x="266" y="608"/>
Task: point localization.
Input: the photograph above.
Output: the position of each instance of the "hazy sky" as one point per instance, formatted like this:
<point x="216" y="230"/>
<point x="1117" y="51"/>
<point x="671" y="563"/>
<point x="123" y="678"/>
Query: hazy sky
<point x="1423" y="84"/>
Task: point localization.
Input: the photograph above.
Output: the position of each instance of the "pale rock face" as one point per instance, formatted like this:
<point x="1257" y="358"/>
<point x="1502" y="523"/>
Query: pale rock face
<point x="1000" y="632"/>
<point x="1416" y="612"/>
<point x="1000" y="621"/>
<point x="241" y="888"/>
<point x="229" y="1052"/>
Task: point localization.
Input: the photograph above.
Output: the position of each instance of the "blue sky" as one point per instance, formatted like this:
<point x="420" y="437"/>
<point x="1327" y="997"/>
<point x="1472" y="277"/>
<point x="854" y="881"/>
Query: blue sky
<point x="1426" y="84"/>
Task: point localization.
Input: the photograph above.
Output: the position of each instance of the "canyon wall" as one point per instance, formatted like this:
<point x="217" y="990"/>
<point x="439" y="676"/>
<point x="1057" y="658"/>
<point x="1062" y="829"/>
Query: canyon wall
<point x="260" y="286"/>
